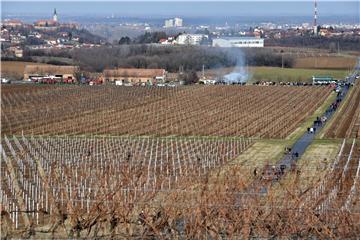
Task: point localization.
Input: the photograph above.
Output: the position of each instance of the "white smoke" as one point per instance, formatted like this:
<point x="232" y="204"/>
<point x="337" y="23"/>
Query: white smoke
<point x="240" y="74"/>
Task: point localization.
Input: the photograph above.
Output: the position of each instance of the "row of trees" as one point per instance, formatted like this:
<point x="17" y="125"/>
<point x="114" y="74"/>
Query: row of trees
<point x="171" y="58"/>
<point x="347" y="43"/>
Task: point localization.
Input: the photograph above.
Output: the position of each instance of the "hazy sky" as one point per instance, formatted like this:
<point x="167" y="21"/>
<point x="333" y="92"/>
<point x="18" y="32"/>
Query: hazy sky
<point x="184" y="8"/>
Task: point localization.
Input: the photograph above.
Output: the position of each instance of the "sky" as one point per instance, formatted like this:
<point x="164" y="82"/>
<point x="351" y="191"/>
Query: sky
<point x="183" y="9"/>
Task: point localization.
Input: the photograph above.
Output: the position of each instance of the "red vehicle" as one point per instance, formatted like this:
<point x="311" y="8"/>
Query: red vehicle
<point x="68" y="80"/>
<point x="97" y="81"/>
<point x="49" y="80"/>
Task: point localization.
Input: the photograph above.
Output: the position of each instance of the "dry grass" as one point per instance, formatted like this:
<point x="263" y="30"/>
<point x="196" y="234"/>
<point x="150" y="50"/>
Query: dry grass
<point x="316" y="162"/>
<point x="313" y="166"/>
<point x="257" y="156"/>
<point x="332" y="62"/>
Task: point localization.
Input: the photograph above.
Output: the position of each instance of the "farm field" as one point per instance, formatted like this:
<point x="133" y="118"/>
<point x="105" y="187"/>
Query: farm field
<point x="312" y="52"/>
<point x="251" y="111"/>
<point x="105" y="181"/>
<point x="82" y="162"/>
<point x="173" y="163"/>
<point x="292" y="74"/>
<point x="346" y="123"/>
<point x="277" y="74"/>
<point x="331" y="62"/>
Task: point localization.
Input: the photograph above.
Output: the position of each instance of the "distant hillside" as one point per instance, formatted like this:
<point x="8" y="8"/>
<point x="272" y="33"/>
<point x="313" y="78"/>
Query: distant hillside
<point x="84" y="35"/>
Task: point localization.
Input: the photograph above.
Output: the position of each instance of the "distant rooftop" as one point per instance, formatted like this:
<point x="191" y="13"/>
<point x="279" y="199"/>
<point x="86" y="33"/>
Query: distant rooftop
<point x="240" y="38"/>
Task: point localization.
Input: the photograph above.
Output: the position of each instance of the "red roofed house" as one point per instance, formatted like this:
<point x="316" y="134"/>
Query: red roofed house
<point x="13" y="23"/>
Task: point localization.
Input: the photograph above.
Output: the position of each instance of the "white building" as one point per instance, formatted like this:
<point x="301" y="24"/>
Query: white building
<point x="178" y="22"/>
<point x="173" y="22"/>
<point x="169" y="23"/>
<point x="191" y="39"/>
<point x="238" y="42"/>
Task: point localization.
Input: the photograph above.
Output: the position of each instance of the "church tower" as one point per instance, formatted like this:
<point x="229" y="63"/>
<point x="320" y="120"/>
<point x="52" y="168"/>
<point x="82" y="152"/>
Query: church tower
<point x="55" y="17"/>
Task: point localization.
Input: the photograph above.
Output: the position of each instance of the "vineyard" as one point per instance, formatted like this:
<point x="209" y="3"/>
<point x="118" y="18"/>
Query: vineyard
<point x="136" y="187"/>
<point x="52" y="173"/>
<point x="163" y="163"/>
<point x="347" y="122"/>
<point x="264" y="112"/>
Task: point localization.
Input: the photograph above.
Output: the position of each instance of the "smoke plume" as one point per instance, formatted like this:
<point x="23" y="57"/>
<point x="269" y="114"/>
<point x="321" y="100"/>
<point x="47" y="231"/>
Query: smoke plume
<point x="240" y="74"/>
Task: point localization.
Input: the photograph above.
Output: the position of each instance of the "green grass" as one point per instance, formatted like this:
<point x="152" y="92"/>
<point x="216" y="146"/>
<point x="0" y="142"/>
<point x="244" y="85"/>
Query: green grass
<point x="309" y="121"/>
<point x="276" y="74"/>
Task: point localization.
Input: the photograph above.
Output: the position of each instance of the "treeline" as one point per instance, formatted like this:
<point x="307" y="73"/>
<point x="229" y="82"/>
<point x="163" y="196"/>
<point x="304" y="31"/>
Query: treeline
<point x="266" y="57"/>
<point x="347" y="43"/>
<point x="64" y="53"/>
<point x="171" y="58"/>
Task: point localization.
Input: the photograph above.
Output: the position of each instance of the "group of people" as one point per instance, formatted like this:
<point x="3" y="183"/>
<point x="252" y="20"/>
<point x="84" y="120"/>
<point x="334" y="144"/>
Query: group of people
<point x="320" y="121"/>
<point x="272" y="172"/>
<point x="294" y="155"/>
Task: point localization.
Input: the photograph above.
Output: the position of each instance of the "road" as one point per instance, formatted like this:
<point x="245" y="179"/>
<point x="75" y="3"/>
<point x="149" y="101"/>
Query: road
<point x="300" y="145"/>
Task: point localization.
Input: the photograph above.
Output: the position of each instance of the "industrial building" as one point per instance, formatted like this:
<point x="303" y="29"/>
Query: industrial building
<point x="169" y="23"/>
<point x="247" y="42"/>
<point x="178" y="22"/>
<point x="191" y="39"/>
<point x="173" y="22"/>
<point x="135" y="76"/>
<point x="38" y="71"/>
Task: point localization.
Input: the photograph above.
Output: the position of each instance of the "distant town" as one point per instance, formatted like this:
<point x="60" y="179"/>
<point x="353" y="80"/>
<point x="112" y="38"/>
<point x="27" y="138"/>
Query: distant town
<point x="16" y="36"/>
<point x="68" y="49"/>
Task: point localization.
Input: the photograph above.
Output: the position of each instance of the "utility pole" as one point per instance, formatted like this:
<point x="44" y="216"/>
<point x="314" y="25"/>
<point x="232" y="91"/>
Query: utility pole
<point x="203" y="71"/>
<point x="315" y="26"/>
<point x="282" y="58"/>
<point x="181" y="69"/>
